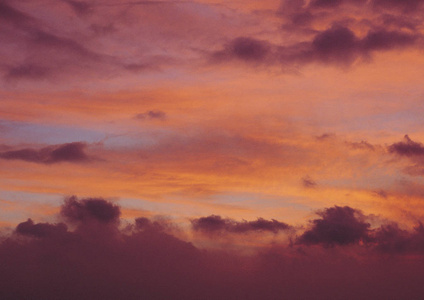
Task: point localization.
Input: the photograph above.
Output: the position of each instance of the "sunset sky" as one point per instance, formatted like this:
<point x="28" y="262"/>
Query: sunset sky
<point x="237" y="124"/>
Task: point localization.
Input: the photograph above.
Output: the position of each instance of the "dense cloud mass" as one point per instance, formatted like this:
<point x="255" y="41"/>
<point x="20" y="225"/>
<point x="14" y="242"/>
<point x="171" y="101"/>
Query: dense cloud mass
<point x="337" y="32"/>
<point x="216" y="224"/>
<point x="101" y="260"/>
<point x="69" y="152"/>
<point x="338" y="226"/>
<point x="407" y="148"/>
<point x="335" y="45"/>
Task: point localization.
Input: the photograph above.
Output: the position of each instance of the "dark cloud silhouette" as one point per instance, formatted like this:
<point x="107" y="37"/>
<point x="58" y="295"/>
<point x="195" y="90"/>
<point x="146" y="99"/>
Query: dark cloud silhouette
<point x="392" y="239"/>
<point x="407" y="148"/>
<point x="69" y="152"/>
<point x="83" y="210"/>
<point x="151" y="114"/>
<point x="41" y="229"/>
<point x="336" y="45"/>
<point x="339" y="44"/>
<point x="386" y="40"/>
<point x="215" y="224"/>
<point x="308" y="182"/>
<point x="98" y="260"/>
<point x="337" y="226"/>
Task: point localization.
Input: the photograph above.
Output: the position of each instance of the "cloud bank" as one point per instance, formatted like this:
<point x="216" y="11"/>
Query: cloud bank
<point x="338" y="256"/>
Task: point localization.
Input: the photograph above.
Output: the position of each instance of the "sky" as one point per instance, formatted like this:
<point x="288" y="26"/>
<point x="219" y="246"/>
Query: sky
<point x="251" y="147"/>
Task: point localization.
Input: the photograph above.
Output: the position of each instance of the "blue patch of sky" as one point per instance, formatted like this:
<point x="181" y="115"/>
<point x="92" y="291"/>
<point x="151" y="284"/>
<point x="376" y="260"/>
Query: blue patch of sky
<point x="23" y="132"/>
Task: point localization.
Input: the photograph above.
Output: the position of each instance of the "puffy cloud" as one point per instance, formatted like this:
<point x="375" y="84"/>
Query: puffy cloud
<point x="337" y="226"/>
<point x="69" y="152"/>
<point x="407" y="148"/>
<point x="84" y="210"/>
<point x="41" y="229"/>
<point x="216" y="224"/>
<point x="52" y="262"/>
<point x="335" y="45"/>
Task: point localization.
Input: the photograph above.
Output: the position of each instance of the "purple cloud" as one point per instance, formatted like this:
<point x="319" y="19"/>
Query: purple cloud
<point x="407" y="148"/>
<point x="69" y="152"/>
<point x="75" y="210"/>
<point x="98" y="260"/>
<point x="216" y="224"/>
<point x="337" y="226"/>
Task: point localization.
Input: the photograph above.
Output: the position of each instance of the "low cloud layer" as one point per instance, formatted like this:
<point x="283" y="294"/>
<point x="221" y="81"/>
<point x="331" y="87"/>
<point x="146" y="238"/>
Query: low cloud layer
<point x="100" y="259"/>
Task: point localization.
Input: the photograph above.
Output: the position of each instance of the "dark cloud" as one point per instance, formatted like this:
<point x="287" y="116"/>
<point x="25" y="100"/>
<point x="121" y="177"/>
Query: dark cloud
<point x="50" y="261"/>
<point x="69" y="152"/>
<point x="151" y="114"/>
<point x="41" y="229"/>
<point x="392" y="239"/>
<point x="216" y="224"/>
<point x="308" y="182"/>
<point x="386" y="40"/>
<point x="10" y="15"/>
<point x="46" y="53"/>
<point x="336" y="45"/>
<point x="407" y="148"/>
<point x="339" y="44"/>
<point x="337" y="226"/>
<point x="88" y="209"/>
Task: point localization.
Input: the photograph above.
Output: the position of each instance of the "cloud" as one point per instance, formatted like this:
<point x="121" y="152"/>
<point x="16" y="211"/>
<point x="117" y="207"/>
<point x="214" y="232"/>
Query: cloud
<point x="151" y="114"/>
<point x="15" y="17"/>
<point x="80" y="7"/>
<point x="41" y="230"/>
<point x="245" y="49"/>
<point x="340" y="45"/>
<point x="337" y="226"/>
<point x="88" y="209"/>
<point x="336" y="45"/>
<point x="404" y="5"/>
<point x="392" y="239"/>
<point x="362" y="145"/>
<point x="104" y="261"/>
<point x="407" y="148"/>
<point x="216" y="224"/>
<point x="308" y="182"/>
<point x="69" y="152"/>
